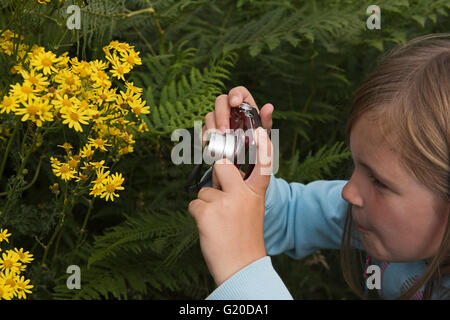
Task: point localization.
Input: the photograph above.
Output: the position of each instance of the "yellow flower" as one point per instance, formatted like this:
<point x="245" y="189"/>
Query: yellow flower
<point x="81" y="177"/>
<point x="45" y="61"/>
<point x="22" y="91"/>
<point x="86" y="151"/>
<point x="75" y="117"/>
<point x="36" y="50"/>
<point x="82" y="68"/>
<point x="9" y="263"/>
<point x="121" y="104"/>
<point x="101" y="177"/>
<point x="84" y="106"/>
<point x="119" y="69"/>
<point x="8" y="104"/>
<point x="23" y="287"/>
<point x="54" y="160"/>
<point x="131" y="57"/>
<point x="32" y="79"/>
<point x="96" y="190"/>
<point x="116" y="45"/>
<point x="130" y="87"/>
<point x="5" y="291"/>
<point x="105" y="95"/>
<point x="125" y="150"/>
<point x="10" y="280"/>
<point x="66" y="146"/>
<point x="73" y="162"/>
<point x="138" y="107"/>
<point x="37" y="110"/>
<point x="100" y="79"/>
<point x="24" y="257"/>
<point x="64" y="102"/>
<point x="64" y="59"/>
<point x="4" y="235"/>
<point x="68" y="80"/>
<point x="143" y="127"/>
<point x="98" y="164"/>
<point x="112" y="184"/>
<point x="98" y="65"/>
<point x="99" y="143"/>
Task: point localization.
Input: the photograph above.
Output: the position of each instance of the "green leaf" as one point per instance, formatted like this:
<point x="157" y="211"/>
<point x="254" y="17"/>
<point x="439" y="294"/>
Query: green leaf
<point x="273" y="43"/>
<point x="419" y="19"/>
<point x="376" y="43"/>
<point x="255" y="49"/>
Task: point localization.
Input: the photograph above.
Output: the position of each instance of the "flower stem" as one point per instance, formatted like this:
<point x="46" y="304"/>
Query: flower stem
<point x="20" y="171"/>
<point x="8" y="147"/>
<point x="32" y="181"/>
<point x="58" y="228"/>
<point x="83" y="228"/>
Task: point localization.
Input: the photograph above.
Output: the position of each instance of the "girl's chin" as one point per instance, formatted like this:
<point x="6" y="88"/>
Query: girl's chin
<point x="371" y="250"/>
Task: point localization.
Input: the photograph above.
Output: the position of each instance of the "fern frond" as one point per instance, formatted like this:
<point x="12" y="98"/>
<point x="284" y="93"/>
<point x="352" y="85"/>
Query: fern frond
<point x="139" y="233"/>
<point x="140" y="255"/>
<point x="178" y="99"/>
<point x="317" y="166"/>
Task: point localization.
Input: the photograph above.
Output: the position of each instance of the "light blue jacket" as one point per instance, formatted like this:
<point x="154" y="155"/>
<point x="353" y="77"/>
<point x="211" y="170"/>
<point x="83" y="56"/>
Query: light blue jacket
<point x="300" y="219"/>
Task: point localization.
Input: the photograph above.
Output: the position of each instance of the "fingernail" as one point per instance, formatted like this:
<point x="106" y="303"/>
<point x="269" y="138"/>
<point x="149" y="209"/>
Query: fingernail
<point x="223" y="161"/>
<point x="222" y="129"/>
<point x="235" y="100"/>
<point x="261" y="131"/>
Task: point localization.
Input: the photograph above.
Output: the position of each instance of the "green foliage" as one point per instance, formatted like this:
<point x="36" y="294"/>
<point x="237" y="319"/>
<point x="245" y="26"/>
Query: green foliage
<point x="145" y="254"/>
<point x="317" y="166"/>
<point x="180" y="95"/>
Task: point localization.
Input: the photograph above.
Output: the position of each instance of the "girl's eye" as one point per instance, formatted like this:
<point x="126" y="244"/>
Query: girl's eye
<point x="376" y="182"/>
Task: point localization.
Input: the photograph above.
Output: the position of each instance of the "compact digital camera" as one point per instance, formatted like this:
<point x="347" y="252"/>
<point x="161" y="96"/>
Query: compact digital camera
<point x="237" y="145"/>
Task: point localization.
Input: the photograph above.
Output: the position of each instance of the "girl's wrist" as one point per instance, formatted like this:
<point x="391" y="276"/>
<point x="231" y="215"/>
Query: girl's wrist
<point x="227" y="272"/>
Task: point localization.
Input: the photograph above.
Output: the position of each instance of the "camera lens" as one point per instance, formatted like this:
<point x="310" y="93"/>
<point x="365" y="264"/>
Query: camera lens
<point x="219" y="147"/>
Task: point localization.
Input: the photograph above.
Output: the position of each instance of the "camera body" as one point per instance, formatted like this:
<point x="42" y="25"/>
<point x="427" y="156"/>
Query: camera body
<point x="234" y="145"/>
<point x="238" y="141"/>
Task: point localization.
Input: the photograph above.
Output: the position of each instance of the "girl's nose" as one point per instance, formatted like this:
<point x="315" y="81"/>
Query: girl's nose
<point x="351" y="194"/>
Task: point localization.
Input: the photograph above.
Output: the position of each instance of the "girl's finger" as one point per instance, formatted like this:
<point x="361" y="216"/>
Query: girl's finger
<point x="208" y="194"/>
<point x="222" y="113"/>
<point x="266" y="116"/>
<point x="210" y="124"/>
<point x="260" y="177"/>
<point x="196" y="208"/>
<point x="240" y="94"/>
<point x="215" y="181"/>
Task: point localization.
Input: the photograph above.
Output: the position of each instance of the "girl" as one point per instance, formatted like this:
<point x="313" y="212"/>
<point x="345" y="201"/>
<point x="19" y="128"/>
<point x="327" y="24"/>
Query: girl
<point x="395" y="206"/>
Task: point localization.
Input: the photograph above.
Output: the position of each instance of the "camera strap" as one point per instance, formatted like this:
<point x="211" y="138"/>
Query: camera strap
<point x="194" y="178"/>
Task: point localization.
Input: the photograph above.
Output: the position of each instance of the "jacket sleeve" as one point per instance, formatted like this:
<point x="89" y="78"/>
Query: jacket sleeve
<point x="299" y="219"/>
<point x="302" y="218"/>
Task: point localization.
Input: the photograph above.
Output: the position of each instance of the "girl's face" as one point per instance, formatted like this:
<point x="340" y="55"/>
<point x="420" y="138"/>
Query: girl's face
<point x="399" y="219"/>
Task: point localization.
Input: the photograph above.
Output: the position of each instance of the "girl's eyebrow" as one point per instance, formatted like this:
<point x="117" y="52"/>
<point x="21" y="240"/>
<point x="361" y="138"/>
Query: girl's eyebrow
<point x="383" y="179"/>
<point x="375" y="173"/>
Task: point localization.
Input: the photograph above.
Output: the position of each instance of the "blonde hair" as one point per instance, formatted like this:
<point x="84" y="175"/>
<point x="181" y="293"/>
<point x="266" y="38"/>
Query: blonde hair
<point x="408" y="98"/>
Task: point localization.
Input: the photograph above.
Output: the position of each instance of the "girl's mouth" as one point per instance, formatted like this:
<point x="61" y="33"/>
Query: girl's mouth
<point x="361" y="229"/>
<point x="358" y="226"/>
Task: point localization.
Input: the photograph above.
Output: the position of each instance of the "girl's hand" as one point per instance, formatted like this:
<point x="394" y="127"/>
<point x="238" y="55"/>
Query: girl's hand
<point x="219" y="119"/>
<point x="231" y="221"/>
